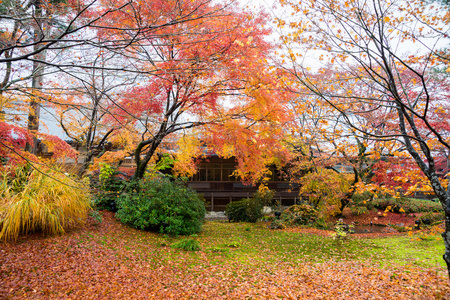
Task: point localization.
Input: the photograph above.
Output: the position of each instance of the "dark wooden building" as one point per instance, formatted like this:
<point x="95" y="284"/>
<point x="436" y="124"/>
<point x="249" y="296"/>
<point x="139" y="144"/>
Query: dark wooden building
<point x="219" y="187"/>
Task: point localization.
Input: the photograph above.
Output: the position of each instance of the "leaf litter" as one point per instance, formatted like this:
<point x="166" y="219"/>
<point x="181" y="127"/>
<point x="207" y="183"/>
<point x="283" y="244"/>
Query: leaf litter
<point x="112" y="261"/>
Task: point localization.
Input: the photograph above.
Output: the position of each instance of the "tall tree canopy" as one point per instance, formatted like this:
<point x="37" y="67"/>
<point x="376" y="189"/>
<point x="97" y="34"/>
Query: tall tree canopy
<point x="211" y="71"/>
<point x="381" y="89"/>
<point x="191" y="63"/>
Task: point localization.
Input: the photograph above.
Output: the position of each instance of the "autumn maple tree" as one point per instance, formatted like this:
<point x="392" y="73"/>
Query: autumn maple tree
<point x="207" y="71"/>
<point x="367" y="43"/>
<point x="81" y="101"/>
<point x="324" y="146"/>
<point x="33" y="34"/>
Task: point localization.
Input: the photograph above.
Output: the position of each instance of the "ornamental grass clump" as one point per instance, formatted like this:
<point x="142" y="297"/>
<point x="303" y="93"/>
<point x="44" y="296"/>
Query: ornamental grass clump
<point x="187" y="244"/>
<point x="49" y="202"/>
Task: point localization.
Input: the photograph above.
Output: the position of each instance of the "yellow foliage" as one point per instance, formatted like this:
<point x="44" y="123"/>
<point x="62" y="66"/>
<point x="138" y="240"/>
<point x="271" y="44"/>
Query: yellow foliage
<point x="188" y="150"/>
<point x="325" y="188"/>
<point x="126" y="139"/>
<point x="41" y="203"/>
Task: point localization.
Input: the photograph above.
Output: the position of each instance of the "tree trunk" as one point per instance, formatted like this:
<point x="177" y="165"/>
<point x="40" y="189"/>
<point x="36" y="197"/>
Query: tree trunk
<point x="428" y="167"/>
<point x="444" y="198"/>
<point x="446" y="237"/>
<point x="90" y="152"/>
<point x="153" y="144"/>
<point x="141" y="165"/>
<point x="38" y="71"/>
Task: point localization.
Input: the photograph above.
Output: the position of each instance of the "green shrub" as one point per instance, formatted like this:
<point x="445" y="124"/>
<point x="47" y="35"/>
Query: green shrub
<point x="361" y="203"/>
<point x="109" y="189"/>
<point x="430" y="218"/>
<point x="187" y="245"/>
<point x="250" y="210"/>
<point x="161" y="205"/>
<point x="301" y="214"/>
<point x="246" y="210"/>
<point x="341" y="230"/>
<point x="321" y="223"/>
<point x="237" y="211"/>
<point x="408" y="205"/>
<point x="267" y="218"/>
<point x="234" y="244"/>
<point x="359" y="210"/>
<point x="265" y="197"/>
<point x="277" y="224"/>
<point x="32" y="201"/>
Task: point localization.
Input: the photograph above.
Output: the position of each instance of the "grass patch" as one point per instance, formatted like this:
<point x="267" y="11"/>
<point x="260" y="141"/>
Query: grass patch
<point x="264" y="245"/>
<point x="405" y="250"/>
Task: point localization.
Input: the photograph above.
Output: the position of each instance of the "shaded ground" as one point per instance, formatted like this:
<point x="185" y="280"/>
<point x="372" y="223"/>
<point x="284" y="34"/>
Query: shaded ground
<point x="216" y="216"/>
<point x="377" y="217"/>
<point x="111" y="261"/>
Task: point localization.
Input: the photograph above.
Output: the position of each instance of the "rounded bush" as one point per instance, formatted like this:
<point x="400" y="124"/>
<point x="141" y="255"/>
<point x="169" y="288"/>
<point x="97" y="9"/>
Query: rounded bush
<point x="161" y="205"/>
<point x="246" y="210"/>
<point x="236" y="211"/>
<point x="299" y="215"/>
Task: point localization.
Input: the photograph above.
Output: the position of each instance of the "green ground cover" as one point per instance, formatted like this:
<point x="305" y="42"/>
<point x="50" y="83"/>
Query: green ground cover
<point x="252" y="244"/>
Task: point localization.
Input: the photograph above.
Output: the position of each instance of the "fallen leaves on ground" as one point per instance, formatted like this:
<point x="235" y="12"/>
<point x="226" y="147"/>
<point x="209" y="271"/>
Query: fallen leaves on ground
<point x="380" y="217"/>
<point x="84" y="265"/>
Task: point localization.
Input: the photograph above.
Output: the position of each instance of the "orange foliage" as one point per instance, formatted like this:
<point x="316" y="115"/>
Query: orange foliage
<point x="13" y="140"/>
<point x="211" y="71"/>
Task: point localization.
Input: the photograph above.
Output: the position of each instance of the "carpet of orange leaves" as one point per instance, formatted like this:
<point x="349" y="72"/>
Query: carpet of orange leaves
<point x="74" y="266"/>
<point x="380" y="217"/>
